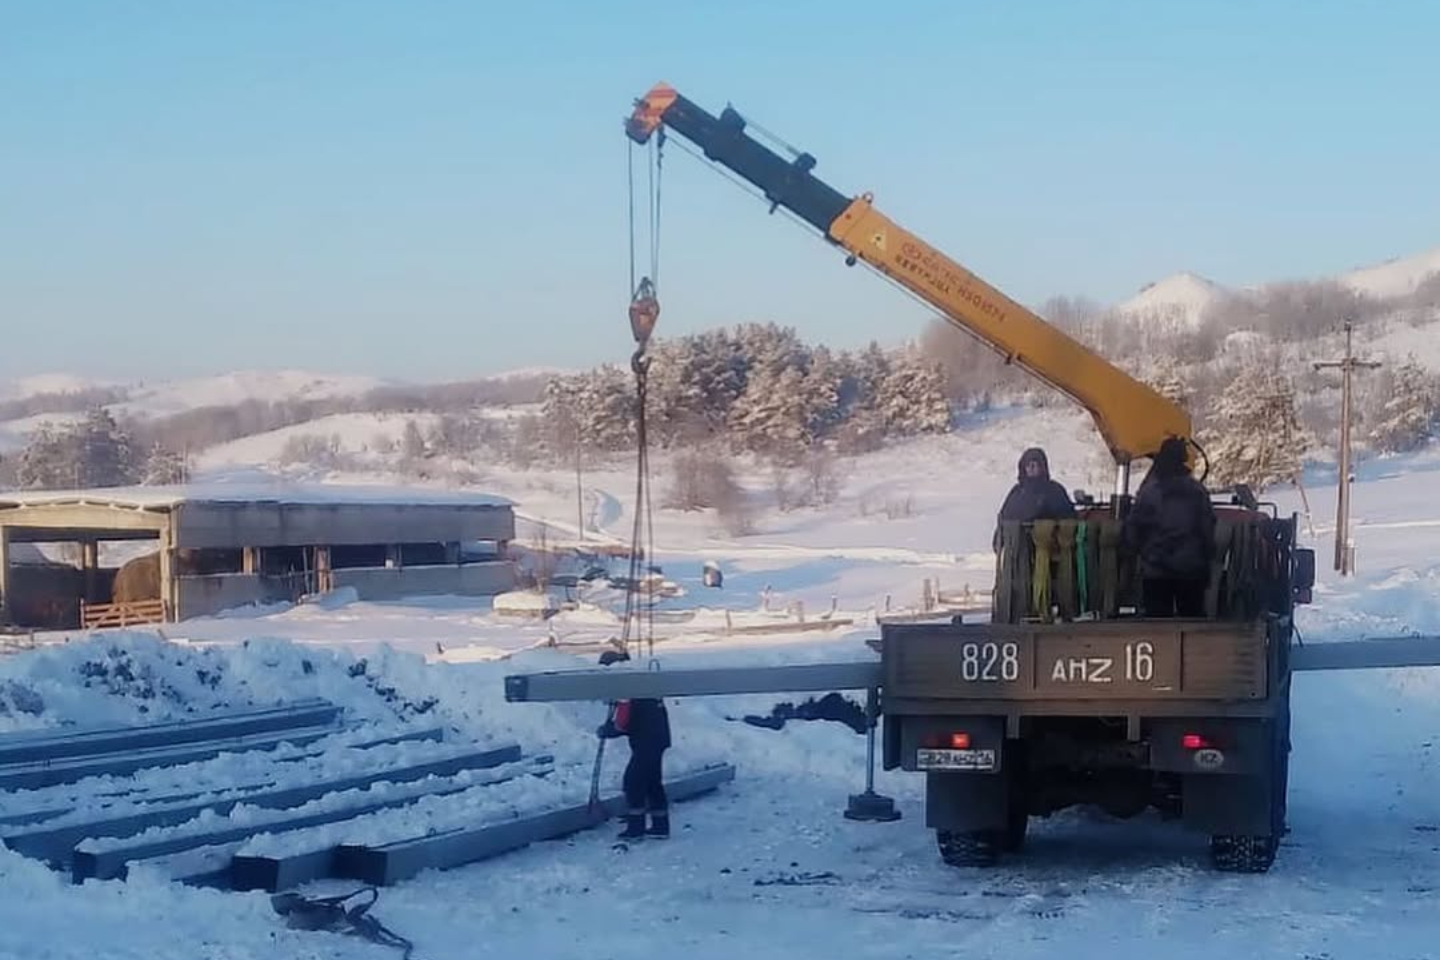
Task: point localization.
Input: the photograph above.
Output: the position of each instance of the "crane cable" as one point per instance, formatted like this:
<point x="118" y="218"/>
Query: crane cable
<point x="644" y="312"/>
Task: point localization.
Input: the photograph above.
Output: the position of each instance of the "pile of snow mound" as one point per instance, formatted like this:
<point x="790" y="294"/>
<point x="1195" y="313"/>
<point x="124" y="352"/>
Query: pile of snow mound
<point x="527" y="603"/>
<point x="138" y="677"/>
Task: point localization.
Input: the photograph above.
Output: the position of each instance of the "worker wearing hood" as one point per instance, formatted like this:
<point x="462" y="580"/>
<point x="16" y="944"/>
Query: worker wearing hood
<point x="1035" y="496"/>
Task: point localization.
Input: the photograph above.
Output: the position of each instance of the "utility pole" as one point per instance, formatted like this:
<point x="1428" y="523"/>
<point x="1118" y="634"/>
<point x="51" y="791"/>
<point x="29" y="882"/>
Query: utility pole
<point x="579" y="490"/>
<point x="1344" y="561"/>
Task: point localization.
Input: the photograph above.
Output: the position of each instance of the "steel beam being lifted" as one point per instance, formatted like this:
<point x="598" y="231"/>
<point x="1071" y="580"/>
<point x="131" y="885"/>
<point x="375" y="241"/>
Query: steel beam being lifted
<point x="1377" y="654"/>
<point x="623" y="683"/>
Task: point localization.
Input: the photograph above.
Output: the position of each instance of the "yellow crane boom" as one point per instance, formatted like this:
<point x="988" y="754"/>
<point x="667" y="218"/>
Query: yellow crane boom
<point x="1132" y="417"/>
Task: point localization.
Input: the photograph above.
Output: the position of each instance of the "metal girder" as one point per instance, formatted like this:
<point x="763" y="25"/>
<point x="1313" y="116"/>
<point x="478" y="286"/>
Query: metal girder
<point x="40" y="815"/>
<point x="54" y="844"/>
<point x="394" y="862"/>
<point x="251" y="872"/>
<point x="623" y="683"/>
<point x="114" y="862"/>
<point x="95" y="741"/>
<point x="1380" y="653"/>
<point x="39" y="774"/>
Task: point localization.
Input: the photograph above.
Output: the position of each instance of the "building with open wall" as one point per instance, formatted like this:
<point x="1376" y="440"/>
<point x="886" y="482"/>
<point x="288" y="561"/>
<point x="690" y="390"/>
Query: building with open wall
<point x="147" y="554"/>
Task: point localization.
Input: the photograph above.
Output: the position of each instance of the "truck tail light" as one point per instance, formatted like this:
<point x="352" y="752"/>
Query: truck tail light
<point x="959" y="741"/>
<point x="1195" y="741"/>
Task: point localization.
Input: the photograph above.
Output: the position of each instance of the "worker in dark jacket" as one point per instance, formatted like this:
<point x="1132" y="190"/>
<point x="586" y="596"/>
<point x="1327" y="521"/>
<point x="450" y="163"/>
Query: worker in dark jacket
<point x="646" y="723"/>
<point x="1171" y="530"/>
<point x="1035" y="496"/>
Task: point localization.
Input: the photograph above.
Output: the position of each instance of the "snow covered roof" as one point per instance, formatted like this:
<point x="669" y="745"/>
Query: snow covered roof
<point x="160" y="497"/>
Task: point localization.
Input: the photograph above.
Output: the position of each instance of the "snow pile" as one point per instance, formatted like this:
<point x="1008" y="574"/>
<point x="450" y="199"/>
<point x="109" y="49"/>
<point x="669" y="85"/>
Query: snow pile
<point x="126" y="677"/>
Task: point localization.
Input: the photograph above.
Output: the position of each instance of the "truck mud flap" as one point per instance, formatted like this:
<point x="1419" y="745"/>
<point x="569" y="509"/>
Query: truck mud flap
<point x="1229" y="805"/>
<point x="965" y="803"/>
<point x="1216" y="747"/>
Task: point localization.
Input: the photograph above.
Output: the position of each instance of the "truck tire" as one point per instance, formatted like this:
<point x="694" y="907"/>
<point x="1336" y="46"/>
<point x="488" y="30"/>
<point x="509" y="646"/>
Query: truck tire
<point x="978" y="848"/>
<point x="1257" y="854"/>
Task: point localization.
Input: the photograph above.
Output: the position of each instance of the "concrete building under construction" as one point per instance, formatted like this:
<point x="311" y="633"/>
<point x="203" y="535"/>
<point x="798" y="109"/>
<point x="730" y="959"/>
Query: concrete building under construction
<point x="161" y="554"/>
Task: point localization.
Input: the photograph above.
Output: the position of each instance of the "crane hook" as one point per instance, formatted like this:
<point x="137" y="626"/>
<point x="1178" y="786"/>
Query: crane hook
<point x="644" y="312"/>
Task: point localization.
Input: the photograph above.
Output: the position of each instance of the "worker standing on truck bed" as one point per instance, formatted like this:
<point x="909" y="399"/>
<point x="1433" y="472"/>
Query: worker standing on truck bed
<point x="646" y="722"/>
<point x="1035" y="496"/>
<point x="1171" y="529"/>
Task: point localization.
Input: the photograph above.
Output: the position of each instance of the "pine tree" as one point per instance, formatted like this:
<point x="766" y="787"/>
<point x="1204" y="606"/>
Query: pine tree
<point x="1253" y="435"/>
<point x="44" y="464"/>
<point x="93" y="452"/>
<point x="105" y="452"/>
<point x="911" y="398"/>
<point x="412" y="442"/>
<point x="164" y="466"/>
<point x="771" y="416"/>
<point x="1408" y="411"/>
<point x="820" y="388"/>
<point x="1164" y="375"/>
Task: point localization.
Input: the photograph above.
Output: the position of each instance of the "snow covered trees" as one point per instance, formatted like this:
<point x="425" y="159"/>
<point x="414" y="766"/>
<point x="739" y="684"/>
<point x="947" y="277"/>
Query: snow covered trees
<point x="1405" y="408"/>
<point x="92" y="452"/>
<point x="756" y="387"/>
<point x="1253" y="433"/>
<point x="163" y="466"/>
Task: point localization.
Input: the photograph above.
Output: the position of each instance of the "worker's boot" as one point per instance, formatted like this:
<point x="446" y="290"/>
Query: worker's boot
<point x="659" y="825"/>
<point x="634" y="827"/>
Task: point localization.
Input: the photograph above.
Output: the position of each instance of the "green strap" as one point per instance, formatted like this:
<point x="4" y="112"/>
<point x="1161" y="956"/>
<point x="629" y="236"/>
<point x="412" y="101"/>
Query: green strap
<point x="1082" y="567"/>
<point x="1043" y="534"/>
<point x="1065" y="571"/>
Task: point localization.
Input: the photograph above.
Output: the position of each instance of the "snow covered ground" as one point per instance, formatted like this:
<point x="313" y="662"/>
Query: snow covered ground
<point x="767" y="867"/>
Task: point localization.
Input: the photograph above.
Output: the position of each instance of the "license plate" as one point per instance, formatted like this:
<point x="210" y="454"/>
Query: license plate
<point x="928" y="759"/>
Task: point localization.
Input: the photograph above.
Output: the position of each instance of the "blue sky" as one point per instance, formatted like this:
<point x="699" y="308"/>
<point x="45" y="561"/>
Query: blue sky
<point x="436" y="190"/>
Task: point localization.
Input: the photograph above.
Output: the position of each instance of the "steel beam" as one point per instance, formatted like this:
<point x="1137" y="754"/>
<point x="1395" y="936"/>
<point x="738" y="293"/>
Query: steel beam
<point x="251" y="872"/>
<point x="1380" y="653"/>
<point x="59" y="744"/>
<point x="39" y="774"/>
<point x="114" y="863"/>
<point x="33" y="816"/>
<point x="622" y="683"/>
<point x="394" y="862"/>
<point x="22" y="818"/>
<point x="54" y="844"/>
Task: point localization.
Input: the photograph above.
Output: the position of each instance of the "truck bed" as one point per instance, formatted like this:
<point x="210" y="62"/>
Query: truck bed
<point x="1111" y="667"/>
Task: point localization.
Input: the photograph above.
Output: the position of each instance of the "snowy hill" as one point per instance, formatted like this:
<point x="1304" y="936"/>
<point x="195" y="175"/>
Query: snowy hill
<point x="22" y="387"/>
<point x="1178" y="300"/>
<point x="165" y="398"/>
<point x="1393" y="278"/>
